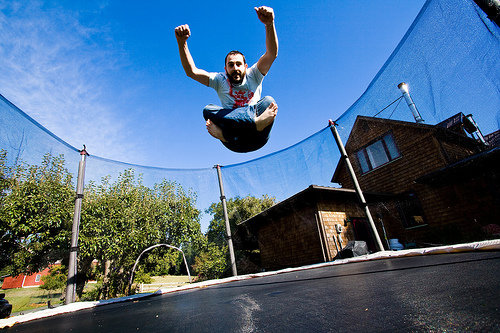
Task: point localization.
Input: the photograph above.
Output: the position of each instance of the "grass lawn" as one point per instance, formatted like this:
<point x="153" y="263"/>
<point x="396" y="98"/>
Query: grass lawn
<point x="171" y="279"/>
<point x="23" y="299"/>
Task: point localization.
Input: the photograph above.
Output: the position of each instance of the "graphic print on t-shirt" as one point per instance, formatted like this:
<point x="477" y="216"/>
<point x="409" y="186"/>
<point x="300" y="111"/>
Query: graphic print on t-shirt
<point x="241" y="97"/>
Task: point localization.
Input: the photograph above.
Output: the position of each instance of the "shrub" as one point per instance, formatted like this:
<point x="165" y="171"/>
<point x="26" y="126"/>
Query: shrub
<point x="211" y="263"/>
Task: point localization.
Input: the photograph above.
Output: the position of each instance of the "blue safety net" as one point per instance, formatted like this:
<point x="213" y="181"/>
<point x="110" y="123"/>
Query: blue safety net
<point x="286" y="172"/>
<point x="27" y="141"/>
<point x="202" y="183"/>
<point x="450" y="59"/>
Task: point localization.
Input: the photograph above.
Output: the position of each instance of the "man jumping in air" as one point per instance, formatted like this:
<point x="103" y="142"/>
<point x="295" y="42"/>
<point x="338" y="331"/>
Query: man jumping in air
<point x="244" y="121"/>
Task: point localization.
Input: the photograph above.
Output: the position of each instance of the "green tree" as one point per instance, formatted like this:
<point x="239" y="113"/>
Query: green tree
<point x="56" y="280"/>
<point x="163" y="261"/>
<point x="211" y="263"/>
<point x="7" y="242"/>
<point x="245" y="244"/>
<point x="121" y="219"/>
<point x="36" y="204"/>
<point x="238" y="210"/>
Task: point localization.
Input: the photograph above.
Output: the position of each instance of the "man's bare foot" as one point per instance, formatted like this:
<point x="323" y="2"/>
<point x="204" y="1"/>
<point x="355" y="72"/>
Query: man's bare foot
<point x="267" y="117"/>
<point x="215" y="131"/>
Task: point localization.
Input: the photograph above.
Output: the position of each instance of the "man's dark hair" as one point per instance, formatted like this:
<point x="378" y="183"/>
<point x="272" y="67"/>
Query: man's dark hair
<point x="232" y="53"/>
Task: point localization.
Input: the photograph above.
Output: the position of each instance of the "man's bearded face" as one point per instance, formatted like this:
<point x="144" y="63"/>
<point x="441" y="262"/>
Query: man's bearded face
<point x="236" y="68"/>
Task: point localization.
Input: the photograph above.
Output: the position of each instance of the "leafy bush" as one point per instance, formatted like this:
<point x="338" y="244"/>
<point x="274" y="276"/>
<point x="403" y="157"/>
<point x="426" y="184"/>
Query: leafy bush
<point x="211" y="263"/>
<point x="56" y="280"/>
<point x="245" y="242"/>
<point x="92" y="294"/>
<point x="142" y="277"/>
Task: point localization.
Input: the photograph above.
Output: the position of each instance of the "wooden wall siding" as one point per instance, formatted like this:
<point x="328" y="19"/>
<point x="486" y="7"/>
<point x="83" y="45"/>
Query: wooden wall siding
<point x="25" y="281"/>
<point x="421" y="153"/>
<point x="336" y="212"/>
<point x="293" y="239"/>
<point x="329" y="220"/>
<point x="290" y="240"/>
<point x="388" y="212"/>
<point x="455" y="153"/>
<point x="460" y="209"/>
<point x="452" y="211"/>
<point x="451" y="214"/>
<point x="419" y="156"/>
<point x="447" y="220"/>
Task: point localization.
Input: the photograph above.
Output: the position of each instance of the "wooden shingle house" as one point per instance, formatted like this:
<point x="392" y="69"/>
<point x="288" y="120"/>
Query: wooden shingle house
<point x="424" y="184"/>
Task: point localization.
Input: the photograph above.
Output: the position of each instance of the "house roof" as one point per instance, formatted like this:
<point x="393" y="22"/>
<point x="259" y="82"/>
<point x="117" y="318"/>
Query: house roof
<point x="391" y="122"/>
<point x="309" y="196"/>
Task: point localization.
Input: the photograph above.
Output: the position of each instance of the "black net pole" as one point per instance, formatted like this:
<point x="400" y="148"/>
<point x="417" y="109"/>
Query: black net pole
<point x="356" y="185"/>
<point x="226" y="219"/>
<point x="73" y="254"/>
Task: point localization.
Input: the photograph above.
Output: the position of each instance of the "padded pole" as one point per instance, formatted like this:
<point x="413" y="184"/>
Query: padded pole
<point x="73" y="254"/>
<point x="356" y="184"/>
<point x="226" y="219"/>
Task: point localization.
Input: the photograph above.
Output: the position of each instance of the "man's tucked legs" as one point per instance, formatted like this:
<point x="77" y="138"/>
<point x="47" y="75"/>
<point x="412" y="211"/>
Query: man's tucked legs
<point x="243" y="129"/>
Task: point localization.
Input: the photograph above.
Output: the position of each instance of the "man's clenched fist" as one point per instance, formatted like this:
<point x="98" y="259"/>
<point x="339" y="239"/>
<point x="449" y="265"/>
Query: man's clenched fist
<point x="265" y="14"/>
<point x="182" y="32"/>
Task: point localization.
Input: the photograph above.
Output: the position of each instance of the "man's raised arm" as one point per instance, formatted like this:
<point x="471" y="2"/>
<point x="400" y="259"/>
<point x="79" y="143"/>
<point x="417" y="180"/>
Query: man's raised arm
<point x="182" y="33"/>
<point x="266" y="16"/>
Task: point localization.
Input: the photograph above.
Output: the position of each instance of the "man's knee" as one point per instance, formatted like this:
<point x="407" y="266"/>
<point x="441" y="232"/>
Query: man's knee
<point x="210" y="110"/>
<point x="263" y="104"/>
<point x="267" y="100"/>
<point x="212" y="107"/>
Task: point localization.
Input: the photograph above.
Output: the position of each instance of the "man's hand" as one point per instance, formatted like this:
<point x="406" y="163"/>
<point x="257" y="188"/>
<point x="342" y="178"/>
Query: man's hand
<point x="265" y="14"/>
<point x="182" y="33"/>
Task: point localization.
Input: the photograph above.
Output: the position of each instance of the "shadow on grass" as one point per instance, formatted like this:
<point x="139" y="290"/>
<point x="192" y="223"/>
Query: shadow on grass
<point x="27" y="299"/>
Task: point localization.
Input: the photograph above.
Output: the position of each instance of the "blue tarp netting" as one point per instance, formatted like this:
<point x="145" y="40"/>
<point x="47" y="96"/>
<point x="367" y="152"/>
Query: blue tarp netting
<point x="450" y="57"/>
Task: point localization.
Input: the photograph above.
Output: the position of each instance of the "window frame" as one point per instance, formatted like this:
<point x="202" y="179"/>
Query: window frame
<point x="363" y="151"/>
<point x="409" y="207"/>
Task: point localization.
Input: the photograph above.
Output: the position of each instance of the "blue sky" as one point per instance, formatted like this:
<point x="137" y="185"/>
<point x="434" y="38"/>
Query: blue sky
<point x="107" y="73"/>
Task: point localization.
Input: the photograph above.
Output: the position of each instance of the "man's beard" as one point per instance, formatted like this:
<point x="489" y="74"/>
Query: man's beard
<point x="233" y="80"/>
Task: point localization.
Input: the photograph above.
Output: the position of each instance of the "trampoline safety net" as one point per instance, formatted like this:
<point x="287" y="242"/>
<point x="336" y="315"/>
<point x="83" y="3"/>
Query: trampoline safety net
<point x="450" y="59"/>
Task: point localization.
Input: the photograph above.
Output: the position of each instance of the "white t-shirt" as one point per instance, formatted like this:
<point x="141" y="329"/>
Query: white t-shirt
<point x="234" y="96"/>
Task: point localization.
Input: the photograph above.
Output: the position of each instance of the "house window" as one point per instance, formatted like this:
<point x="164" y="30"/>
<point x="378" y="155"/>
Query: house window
<point x="378" y="153"/>
<point x="410" y="210"/>
<point x="38" y="278"/>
